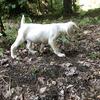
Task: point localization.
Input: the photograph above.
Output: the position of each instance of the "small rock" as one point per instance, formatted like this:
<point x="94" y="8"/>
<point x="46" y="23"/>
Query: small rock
<point x="80" y="62"/>
<point x="62" y="92"/>
<point x="49" y="84"/>
<point x="52" y="63"/>
<point x="7" y="65"/>
<point x="41" y="80"/>
<point x="98" y="39"/>
<point x="15" y="62"/>
<point x="42" y="90"/>
<point x="87" y="64"/>
<point x="54" y="82"/>
<point x="24" y="51"/>
<point x="26" y="59"/>
<point x="97" y="73"/>
<point x="87" y="31"/>
<point x="60" y="83"/>
<point x="16" y="97"/>
<point x="39" y="58"/>
<point x="70" y="71"/>
<point x="66" y="64"/>
<point x="98" y="97"/>
<point x="7" y="52"/>
<point x="18" y="89"/>
<point x="69" y="86"/>
<point x="34" y="97"/>
<point x="9" y="93"/>
<point x="30" y="60"/>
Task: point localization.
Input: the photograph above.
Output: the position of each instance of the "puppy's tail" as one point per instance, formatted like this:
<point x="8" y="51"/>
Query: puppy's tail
<point x="22" y="20"/>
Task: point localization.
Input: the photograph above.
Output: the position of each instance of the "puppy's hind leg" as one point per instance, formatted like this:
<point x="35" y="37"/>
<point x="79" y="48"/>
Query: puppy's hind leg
<point x="28" y="46"/>
<point x="14" y="46"/>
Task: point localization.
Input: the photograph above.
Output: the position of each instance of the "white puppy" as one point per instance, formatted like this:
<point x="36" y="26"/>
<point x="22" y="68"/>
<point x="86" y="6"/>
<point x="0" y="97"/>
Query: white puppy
<point x="41" y="33"/>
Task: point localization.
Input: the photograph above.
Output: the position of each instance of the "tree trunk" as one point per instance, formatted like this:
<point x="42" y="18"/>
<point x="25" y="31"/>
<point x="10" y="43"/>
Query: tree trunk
<point x="2" y="28"/>
<point x="51" y="2"/>
<point x="67" y="4"/>
<point x="74" y="5"/>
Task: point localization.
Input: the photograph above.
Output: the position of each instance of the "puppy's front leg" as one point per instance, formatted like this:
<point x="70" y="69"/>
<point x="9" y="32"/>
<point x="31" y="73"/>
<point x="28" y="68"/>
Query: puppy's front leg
<point x="28" y="46"/>
<point x="55" y="49"/>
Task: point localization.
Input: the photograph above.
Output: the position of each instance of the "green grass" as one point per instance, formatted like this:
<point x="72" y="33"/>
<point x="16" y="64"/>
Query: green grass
<point x="89" y="20"/>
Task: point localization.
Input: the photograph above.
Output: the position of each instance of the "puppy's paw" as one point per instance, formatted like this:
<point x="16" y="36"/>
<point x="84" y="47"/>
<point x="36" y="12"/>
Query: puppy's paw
<point x="14" y="56"/>
<point x="61" y="55"/>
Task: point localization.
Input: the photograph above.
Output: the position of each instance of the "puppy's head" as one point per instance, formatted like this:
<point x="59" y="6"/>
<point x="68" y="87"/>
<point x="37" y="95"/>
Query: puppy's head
<point x="72" y="27"/>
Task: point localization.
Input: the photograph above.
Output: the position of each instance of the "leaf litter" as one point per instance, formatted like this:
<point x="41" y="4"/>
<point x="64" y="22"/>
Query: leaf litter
<point x="45" y="76"/>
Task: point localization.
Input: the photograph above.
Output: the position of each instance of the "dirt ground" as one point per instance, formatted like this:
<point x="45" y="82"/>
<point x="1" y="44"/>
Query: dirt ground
<point x="44" y="76"/>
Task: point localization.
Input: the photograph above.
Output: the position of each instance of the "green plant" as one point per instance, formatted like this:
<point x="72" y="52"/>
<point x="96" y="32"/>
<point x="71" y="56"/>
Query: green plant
<point x="34" y="72"/>
<point x="94" y="55"/>
<point x="11" y="34"/>
<point x="63" y="38"/>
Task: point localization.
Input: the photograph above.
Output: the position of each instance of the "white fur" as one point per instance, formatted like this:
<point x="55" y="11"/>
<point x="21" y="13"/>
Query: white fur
<point x="0" y="34"/>
<point x="41" y="33"/>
